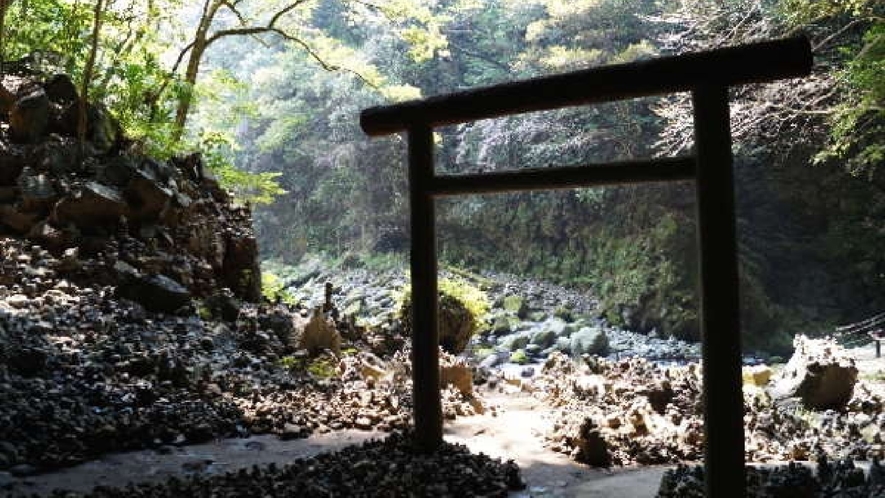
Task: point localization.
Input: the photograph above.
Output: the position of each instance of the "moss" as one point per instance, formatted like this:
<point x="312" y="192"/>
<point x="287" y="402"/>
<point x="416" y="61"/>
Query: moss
<point x="322" y="368"/>
<point x="519" y="357"/>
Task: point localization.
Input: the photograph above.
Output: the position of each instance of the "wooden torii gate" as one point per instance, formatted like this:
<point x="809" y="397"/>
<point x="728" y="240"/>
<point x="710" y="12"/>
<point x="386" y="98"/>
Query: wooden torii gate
<point x="707" y="75"/>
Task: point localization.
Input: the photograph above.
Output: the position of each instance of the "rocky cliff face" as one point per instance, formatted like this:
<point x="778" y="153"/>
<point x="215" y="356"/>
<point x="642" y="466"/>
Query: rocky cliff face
<point x="162" y="230"/>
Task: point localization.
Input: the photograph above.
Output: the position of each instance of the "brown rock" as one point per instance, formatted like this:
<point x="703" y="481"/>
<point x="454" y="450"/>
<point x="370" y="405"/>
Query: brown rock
<point x="11" y="163"/>
<point x="92" y="204"/>
<point x="19" y="221"/>
<point x="148" y="200"/>
<point x="36" y="190"/>
<point x="60" y="89"/>
<point x="820" y="373"/>
<point x="318" y="334"/>
<point x="29" y="117"/>
<point x="240" y="269"/>
<point x="457" y="375"/>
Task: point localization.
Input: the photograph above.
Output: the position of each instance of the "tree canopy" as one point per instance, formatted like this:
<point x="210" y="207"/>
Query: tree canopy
<point x="274" y="88"/>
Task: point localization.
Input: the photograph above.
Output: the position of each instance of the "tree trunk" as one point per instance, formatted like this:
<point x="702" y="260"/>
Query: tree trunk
<point x="190" y="78"/>
<point x="4" y="8"/>
<point x="82" y="121"/>
<point x="198" y="48"/>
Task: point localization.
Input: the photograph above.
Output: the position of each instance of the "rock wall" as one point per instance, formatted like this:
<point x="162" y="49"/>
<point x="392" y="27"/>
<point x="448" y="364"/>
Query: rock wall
<point x="174" y="228"/>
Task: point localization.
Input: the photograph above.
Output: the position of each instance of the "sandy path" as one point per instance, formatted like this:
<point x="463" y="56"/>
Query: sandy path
<point x="517" y="433"/>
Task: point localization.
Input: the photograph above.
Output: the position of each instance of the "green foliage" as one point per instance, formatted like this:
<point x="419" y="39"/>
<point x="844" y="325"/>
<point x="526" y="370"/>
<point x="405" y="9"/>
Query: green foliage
<point x="519" y="357"/>
<point x="859" y="123"/>
<point x="273" y="289"/>
<point x="254" y="188"/>
<point x="475" y="300"/>
<point x="324" y="367"/>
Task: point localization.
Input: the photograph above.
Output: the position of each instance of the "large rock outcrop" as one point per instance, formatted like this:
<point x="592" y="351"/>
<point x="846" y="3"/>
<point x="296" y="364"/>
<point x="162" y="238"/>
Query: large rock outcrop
<point x="820" y="373"/>
<point x="168" y="220"/>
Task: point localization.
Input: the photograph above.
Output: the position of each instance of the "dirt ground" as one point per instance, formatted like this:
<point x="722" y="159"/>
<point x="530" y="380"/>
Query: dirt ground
<point x="514" y="432"/>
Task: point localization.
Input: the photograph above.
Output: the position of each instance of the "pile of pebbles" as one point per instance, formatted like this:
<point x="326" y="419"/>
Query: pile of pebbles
<point x="390" y="467"/>
<point x="84" y="372"/>
<point x="633" y="411"/>
<point x="840" y="479"/>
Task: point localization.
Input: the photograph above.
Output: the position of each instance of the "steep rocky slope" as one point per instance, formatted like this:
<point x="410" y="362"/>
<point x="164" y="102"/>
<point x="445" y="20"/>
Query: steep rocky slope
<point x="130" y="306"/>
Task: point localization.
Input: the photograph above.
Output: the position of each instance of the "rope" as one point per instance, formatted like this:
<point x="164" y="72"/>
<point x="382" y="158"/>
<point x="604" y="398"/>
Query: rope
<point x="872" y="321"/>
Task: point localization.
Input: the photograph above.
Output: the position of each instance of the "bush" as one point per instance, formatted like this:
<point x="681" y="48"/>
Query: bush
<point x="461" y="310"/>
<point x="273" y="289"/>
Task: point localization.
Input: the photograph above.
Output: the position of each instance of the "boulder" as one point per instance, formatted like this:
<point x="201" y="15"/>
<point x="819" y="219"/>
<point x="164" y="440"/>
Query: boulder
<point x="318" y="334"/>
<point x="91" y="204"/>
<point x="590" y="446"/>
<point x="155" y="292"/>
<point x="102" y="130"/>
<point x="457" y="375"/>
<point x="240" y="269"/>
<point x="515" y="305"/>
<point x="118" y="171"/>
<point x="456" y="324"/>
<point x="148" y="200"/>
<point x="29" y="117"/>
<point x="12" y="162"/>
<point x="36" y="190"/>
<point x="757" y="375"/>
<point x="820" y="373"/>
<point x="514" y="342"/>
<point x="544" y="338"/>
<point x="7" y="99"/>
<point x="589" y="340"/>
<point x="61" y="90"/>
<point x="18" y="221"/>
<point x="58" y="156"/>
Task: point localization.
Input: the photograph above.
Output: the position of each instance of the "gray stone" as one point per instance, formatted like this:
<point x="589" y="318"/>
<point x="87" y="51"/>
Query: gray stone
<point x="544" y="338"/>
<point x="494" y="359"/>
<point x="154" y="292"/>
<point x="533" y="349"/>
<point x="514" y="342"/>
<point x="23" y="470"/>
<point x="589" y="341"/>
<point x="36" y="190"/>
<point x="515" y="305"/>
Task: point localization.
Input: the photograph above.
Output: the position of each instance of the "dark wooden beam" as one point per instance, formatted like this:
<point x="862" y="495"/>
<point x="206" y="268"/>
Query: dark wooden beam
<point x="425" y="338"/>
<point x="651" y="170"/>
<point x="753" y="63"/>
<point x="720" y="303"/>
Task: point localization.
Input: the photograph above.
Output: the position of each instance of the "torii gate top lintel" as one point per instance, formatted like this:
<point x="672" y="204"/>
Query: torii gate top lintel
<point x="707" y="75"/>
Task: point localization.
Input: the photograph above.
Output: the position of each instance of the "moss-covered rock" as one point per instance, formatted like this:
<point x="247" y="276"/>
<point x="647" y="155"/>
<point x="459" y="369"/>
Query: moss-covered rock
<point x="515" y="305"/>
<point x="461" y="309"/>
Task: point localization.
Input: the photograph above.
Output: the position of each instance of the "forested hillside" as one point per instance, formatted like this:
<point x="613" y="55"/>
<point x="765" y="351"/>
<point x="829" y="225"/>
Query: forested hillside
<point x="271" y="92"/>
